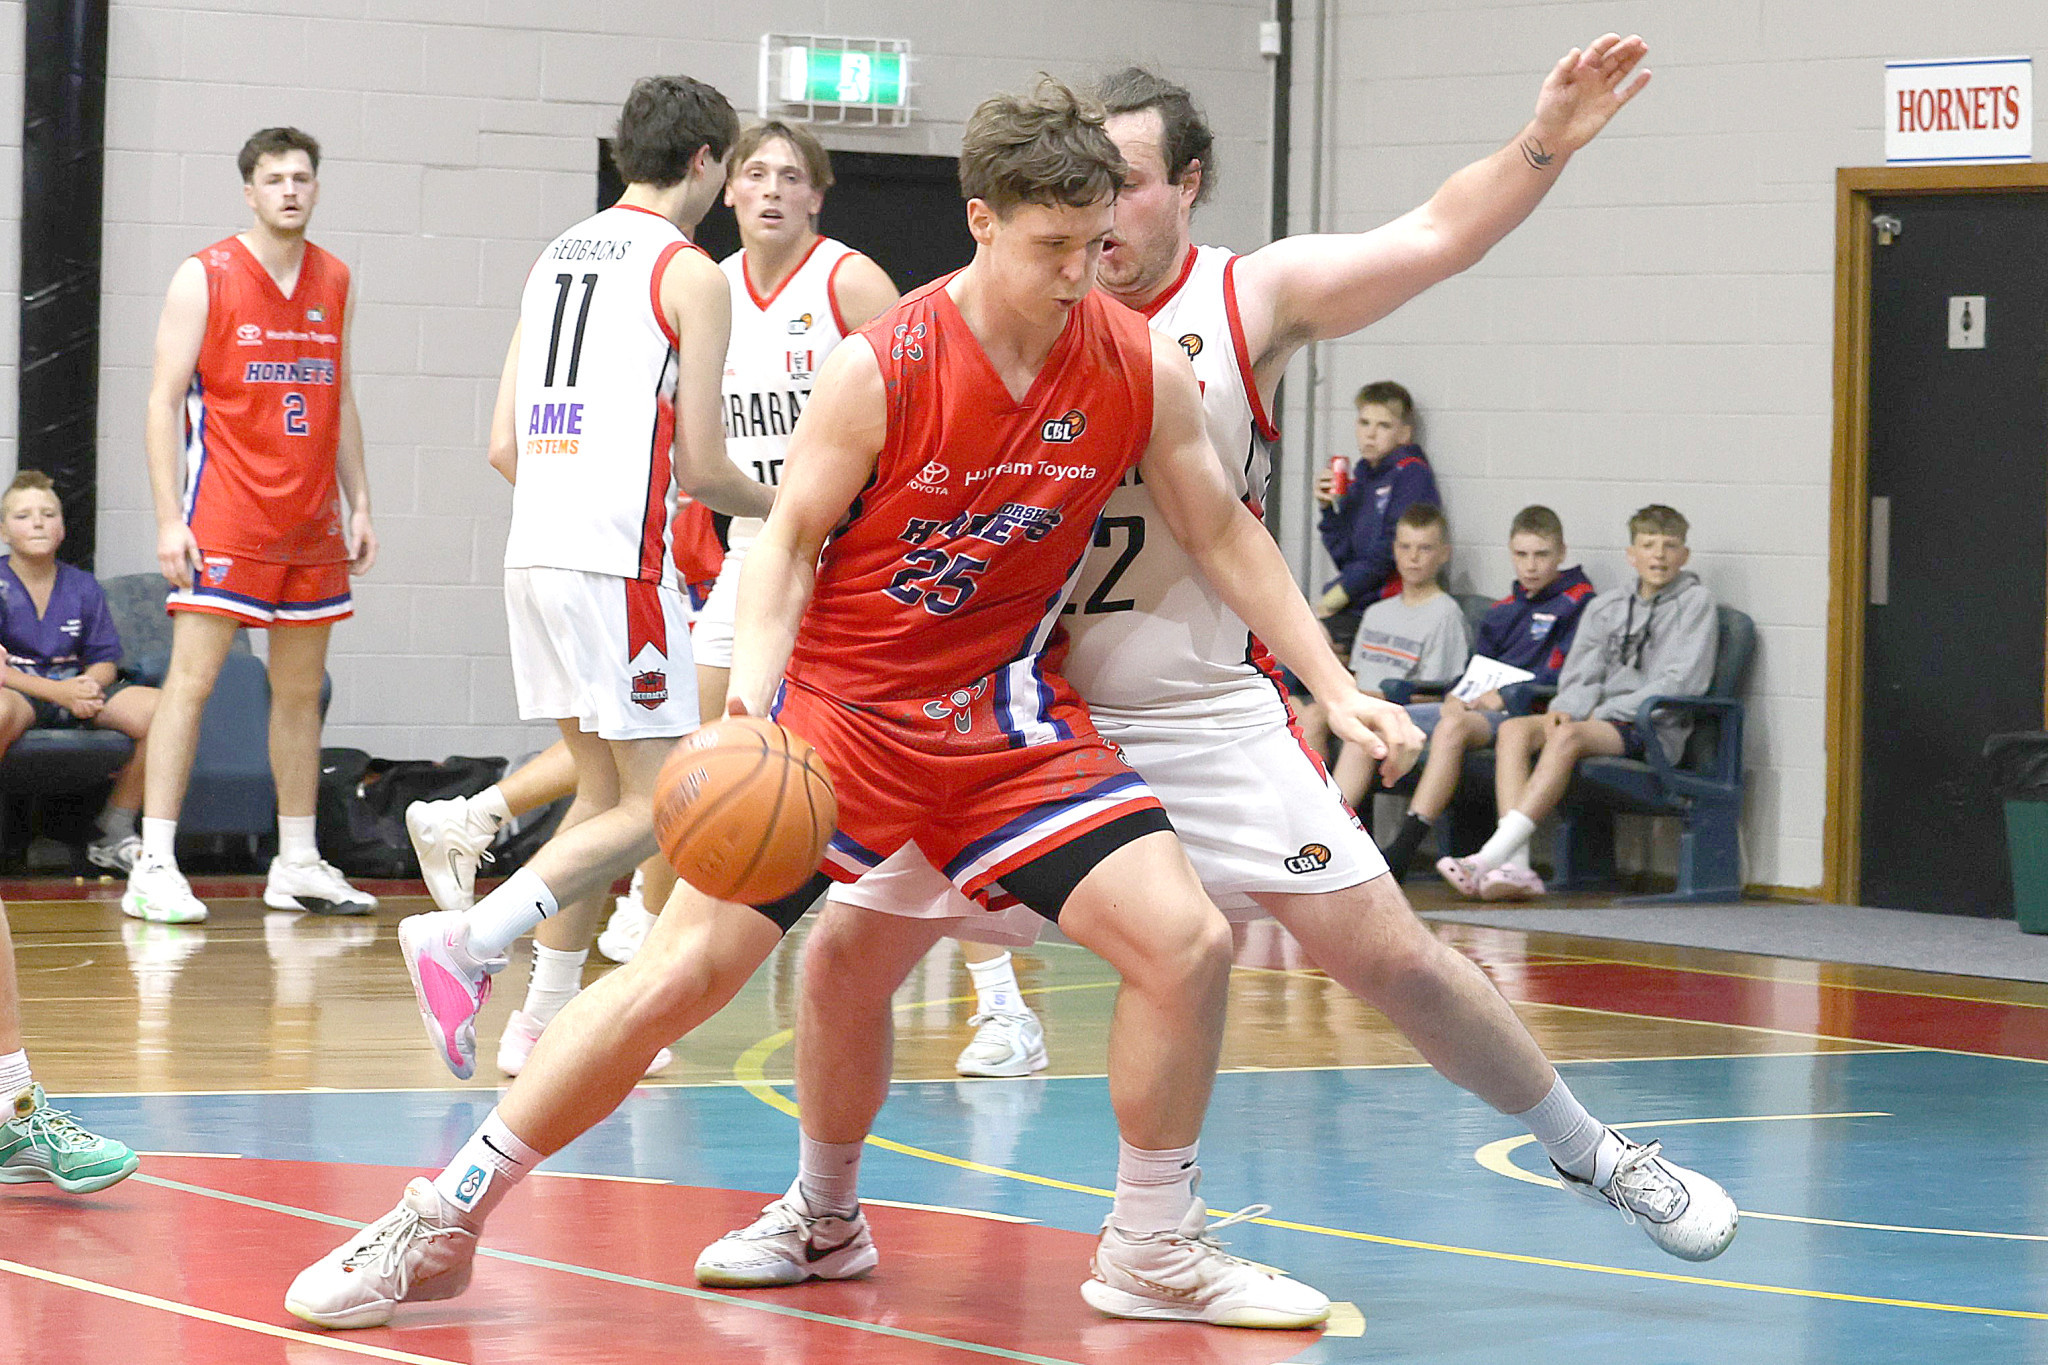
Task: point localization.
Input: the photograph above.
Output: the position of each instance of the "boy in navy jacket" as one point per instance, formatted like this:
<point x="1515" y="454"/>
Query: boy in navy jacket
<point x="1531" y="628"/>
<point x="1390" y="475"/>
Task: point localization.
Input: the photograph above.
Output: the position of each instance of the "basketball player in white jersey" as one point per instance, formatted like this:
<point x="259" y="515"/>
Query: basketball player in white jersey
<point x="608" y="400"/>
<point x="1208" y="726"/>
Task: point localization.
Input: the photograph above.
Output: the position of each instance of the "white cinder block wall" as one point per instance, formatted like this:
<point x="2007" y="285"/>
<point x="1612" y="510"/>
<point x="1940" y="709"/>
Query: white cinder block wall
<point x="1662" y="328"/>
<point x="458" y="138"/>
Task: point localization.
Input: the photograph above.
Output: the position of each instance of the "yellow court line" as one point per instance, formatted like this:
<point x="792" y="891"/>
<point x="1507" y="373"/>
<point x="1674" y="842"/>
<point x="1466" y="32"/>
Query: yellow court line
<point x="1784" y="1032"/>
<point x="749" y="1071"/>
<point x="332" y="1343"/>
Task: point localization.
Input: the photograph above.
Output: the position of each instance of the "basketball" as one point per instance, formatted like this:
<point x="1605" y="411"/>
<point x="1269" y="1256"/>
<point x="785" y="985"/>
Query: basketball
<point x="743" y="809"/>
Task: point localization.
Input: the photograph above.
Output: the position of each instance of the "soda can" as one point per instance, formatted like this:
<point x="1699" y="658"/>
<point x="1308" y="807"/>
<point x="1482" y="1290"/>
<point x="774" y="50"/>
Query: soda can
<point x="1340" y="476"/>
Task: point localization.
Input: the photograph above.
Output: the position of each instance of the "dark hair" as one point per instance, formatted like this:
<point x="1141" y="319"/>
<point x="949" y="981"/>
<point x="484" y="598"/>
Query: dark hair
<point x="1658" y="520"/>
<point x="1387" y="394"/>
<point x="1537" y="520"/>
<point x="817" y="162"/>
<point x="1186" y="132"/>
<point x="1420" y="516"/>
<point x="1047" y="147"/>
<point x="664" y="121"/>
<point x="276" y="142"/>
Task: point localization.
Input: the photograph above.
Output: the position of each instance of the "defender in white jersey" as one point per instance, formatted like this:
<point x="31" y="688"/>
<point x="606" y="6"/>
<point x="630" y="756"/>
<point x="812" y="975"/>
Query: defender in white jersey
<point x="795" y="295"/>
<point x="608" y="400"/>
<point x="1173" y="677"/>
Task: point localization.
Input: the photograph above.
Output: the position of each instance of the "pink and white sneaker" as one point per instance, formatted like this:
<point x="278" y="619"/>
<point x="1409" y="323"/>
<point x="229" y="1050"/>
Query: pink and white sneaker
<point x="1510" y="884"/>
<point x="1461" y="874"/>
<point x="451" y="992"/>
<point x="522" y="1031"/>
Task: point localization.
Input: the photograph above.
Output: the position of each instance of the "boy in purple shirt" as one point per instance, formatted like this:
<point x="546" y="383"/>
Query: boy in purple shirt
<point x="61" y="651"/>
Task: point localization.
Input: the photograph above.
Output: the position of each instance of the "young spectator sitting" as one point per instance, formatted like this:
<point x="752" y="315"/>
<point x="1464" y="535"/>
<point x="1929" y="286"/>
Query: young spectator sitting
<point x="1530" y="629"/>
<point x="1418" y="633"/>
<point x="1390" y="475"/>
<point x="1659" y="639"/>
<point x="61" y="650"/>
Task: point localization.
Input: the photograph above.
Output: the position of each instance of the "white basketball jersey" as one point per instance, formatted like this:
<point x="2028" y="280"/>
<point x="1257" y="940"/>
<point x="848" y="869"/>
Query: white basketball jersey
<point x="779" y="342"/>
<point x="1147" y="630"/>
<point x="595" y="401"/>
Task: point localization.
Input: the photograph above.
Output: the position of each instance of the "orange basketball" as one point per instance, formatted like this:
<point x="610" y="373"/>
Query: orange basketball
<point x="743" y="809"/>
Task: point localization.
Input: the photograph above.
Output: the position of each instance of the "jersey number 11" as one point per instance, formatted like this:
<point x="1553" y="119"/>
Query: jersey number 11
<point x="576" y="342"/>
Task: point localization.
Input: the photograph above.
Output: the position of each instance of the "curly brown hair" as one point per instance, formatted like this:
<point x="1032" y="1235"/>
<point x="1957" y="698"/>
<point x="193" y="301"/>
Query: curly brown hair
<point x="1047" y="147"/>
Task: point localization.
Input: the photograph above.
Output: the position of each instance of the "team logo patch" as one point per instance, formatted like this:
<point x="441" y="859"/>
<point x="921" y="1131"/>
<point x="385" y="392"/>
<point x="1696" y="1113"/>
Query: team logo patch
<point x="932" y="478"/>
<point x="473" y="1181"/>
<point x="908" y="342"/>
<point x="650" y="689"/>
<point x="1192" y="344"/>
<point x="316" y="315"/>
<point x="216" y="572"/>
<point x="1064" y="428"/>
<point x="799" y="325"/>
<point x="248" y="334"/>
<point x="1312" y="858"/>
<point x="958" y="704"/>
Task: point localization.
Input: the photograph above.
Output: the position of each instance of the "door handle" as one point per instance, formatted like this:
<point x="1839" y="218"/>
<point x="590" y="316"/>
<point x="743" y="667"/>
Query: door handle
<point x="1880" y="575"/>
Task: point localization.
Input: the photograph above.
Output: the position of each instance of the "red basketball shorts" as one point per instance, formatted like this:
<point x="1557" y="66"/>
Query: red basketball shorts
<point x="258" y="592"/>
<point x="952" y="775"/>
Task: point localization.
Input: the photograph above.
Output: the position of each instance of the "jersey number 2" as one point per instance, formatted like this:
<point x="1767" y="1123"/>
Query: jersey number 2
<point x="295" y="423"/>
<point x="563" y="282"/>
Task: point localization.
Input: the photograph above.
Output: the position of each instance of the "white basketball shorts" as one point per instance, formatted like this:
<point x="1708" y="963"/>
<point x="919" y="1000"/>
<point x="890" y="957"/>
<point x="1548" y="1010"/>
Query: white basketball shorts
<point x="1253" y="810"/>
<point x="611" y="653"/>
<point x="711" y="638"/>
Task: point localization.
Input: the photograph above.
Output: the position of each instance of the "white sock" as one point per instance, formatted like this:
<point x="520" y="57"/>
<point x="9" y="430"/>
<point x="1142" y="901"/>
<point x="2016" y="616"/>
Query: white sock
<point x="118" y="822"/>
<point x="484" y="1171"/>
<point x="1511" y="833"/>
<point x="160" y="841"/>
<point x="828" y="1176"/>
<point x="1519" y="859"/>
<point x="488" y="812"/>
<point x="1154" y="1189"/>
<point x="500" y="919"/>
<point x="995" y="986"/>
<point x="557" y="976"/>
<point x="14" y="1074"/>
<point x="1576" y="1141"/>
<point x="295" y="839"/>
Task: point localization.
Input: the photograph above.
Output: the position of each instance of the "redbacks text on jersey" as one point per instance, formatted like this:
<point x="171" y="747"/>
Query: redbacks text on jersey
<point x="953" y="563"/>
<point x="263" y="412"/>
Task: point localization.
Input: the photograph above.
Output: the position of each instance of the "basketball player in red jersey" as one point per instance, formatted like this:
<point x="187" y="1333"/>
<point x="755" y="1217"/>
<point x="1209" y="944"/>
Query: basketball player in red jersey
<point x="956" y="458"/>
<point x="251" y="403"/>
<point x="1168" y="677"/>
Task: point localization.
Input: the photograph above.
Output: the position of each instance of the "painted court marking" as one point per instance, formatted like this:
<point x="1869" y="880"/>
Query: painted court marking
<point x="518" y="1258"/>
<point x="750" y="1071"/>
<point x="1497" y="1157"/>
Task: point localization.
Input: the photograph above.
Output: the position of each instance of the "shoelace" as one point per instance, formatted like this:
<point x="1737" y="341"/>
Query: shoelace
<point x="383" y="1251"/>
<point x="1207" y="1237"/>
<point x="1640" y="1183"/>
<point x="58" y="1128"/>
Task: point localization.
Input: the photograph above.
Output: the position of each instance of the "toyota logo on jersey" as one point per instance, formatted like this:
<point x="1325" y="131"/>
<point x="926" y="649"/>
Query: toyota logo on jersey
<point x="249" y="334"/>
<point x="932" y="478"/>
<point x="1064" y="428"/>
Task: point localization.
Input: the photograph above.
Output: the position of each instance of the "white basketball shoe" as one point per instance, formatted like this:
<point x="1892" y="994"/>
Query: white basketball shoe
<point x="450" y="845"/>
<point x="158" y="892"/>
<point x="315" y="886"/>
<point x="1186" y="1276"/>
<point x="788" y="1244"/>
<point x="627" y="928"/>
<point x="1682" y="1211"/>
<point x="1006" y="1043"/>
<point x="416" y="1253"/>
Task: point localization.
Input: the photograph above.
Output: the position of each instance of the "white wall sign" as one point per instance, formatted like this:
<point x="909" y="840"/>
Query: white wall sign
<point x="1966" y="109"/>
<point x="1966" y="322"/>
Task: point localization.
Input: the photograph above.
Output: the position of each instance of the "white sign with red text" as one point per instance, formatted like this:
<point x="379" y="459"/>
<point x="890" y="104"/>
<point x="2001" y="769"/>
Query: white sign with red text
<point x="1961" y="109"/>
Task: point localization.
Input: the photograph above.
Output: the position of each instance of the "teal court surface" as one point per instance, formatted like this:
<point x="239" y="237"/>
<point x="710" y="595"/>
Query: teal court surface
<point x="1880" y="1129"/>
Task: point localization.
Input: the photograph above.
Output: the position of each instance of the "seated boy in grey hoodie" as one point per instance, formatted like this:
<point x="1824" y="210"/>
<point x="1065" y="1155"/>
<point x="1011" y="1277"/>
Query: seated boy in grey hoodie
<point x="1658" y="640"/>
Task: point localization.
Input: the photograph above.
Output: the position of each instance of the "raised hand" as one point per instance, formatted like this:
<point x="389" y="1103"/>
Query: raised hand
<point x="1583" y="91"/>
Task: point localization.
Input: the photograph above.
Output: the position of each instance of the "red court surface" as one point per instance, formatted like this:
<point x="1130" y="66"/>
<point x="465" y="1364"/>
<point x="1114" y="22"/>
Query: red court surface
<point x="582" y="1270"/>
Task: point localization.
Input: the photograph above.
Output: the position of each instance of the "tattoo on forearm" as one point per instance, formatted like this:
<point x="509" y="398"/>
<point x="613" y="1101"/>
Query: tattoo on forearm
<point x="1538" y="156"/>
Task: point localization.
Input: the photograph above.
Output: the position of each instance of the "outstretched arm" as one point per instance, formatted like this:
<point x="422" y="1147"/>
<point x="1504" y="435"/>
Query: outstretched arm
<point x="1314" y="288"/>
<point x="831" y="455"/>
<point x="1241" y="562"/>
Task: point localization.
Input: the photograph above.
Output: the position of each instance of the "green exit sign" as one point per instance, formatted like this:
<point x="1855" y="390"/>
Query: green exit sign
<point x="812" y="75"/>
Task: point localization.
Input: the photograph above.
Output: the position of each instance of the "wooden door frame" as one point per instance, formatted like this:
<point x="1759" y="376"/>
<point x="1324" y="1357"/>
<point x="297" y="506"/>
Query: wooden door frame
<point x="1848" y="549"/>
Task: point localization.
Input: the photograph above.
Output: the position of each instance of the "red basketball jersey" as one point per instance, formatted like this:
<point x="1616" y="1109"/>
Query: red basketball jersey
<point x="263" y="415"/>
<point x="954" y="562"/>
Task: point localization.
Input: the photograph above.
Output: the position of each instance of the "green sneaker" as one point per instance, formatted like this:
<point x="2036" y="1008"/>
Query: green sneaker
<point x="41" y="1143"/>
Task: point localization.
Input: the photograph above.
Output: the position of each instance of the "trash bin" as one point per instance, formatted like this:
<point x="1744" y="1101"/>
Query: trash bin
<point x="2019" y="778"/>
